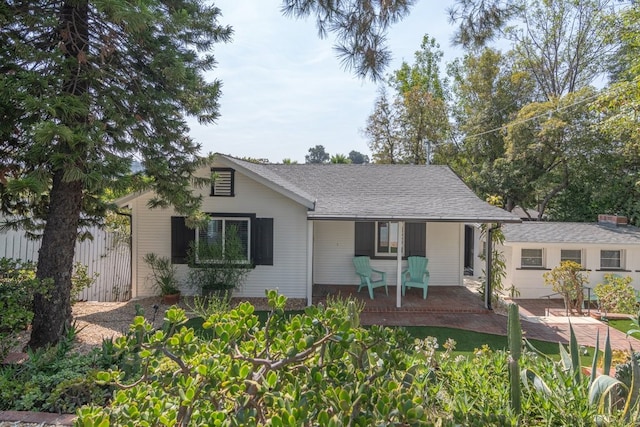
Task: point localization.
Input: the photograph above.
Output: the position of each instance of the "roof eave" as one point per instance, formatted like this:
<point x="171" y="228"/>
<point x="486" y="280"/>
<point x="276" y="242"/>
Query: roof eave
<point x="357" y="217"/>
<point x="125" y="200"/>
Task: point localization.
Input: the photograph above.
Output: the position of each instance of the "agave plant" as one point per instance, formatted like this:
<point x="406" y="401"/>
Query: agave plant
<point x="602" y="397"/>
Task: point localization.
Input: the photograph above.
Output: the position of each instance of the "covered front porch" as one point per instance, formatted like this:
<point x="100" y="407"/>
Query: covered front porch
<point x="441" y="300"/>
<point x="333" y="244"/>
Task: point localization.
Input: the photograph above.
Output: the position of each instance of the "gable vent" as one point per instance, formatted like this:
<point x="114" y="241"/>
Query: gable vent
<point x="223" y="182"/>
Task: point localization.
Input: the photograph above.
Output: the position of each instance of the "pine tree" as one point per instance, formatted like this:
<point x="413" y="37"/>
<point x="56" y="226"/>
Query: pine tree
<point x="85" y="87"/>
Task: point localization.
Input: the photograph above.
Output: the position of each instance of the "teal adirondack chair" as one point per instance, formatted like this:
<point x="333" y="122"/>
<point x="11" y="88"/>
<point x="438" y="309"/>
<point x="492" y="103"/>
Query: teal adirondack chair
<point x="416" y="275"/>
<point x="364" y="271"/>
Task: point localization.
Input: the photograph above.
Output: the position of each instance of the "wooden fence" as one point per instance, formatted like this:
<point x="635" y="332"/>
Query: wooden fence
<point x="108" y="255"/>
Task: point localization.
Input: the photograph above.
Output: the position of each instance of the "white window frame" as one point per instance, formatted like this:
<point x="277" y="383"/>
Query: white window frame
<point x="531" y="266"/>
<point x="390" y="253"/>
<point x="581" y="262"/>
<point x="620" y="259"/>
<point x="224" y="229"/>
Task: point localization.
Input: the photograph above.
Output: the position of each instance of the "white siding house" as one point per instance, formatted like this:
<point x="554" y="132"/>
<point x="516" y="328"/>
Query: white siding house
<point x="532" y="248"/>
<point x="305" y="223"/>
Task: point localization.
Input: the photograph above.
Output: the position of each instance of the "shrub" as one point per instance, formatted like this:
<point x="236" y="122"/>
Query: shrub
<point x="53" y="380"/>
<point x="321" y="368"/>
<point x="80" y="280"/>
<point x="616" y="295"/>
<point x="18" y="284"/>
<point x="163" y="274"/>
<point x="316" y="368"/>
<point x="568" y="280"/>
<point x="219" y="268"/>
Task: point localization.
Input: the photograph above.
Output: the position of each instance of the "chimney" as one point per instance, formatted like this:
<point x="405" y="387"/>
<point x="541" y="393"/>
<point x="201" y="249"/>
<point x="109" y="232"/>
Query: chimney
<point x="612" y="219"/>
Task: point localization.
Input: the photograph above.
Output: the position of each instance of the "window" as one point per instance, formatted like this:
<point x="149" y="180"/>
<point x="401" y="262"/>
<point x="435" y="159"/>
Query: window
<point x="574" y="255"/>
<point x="255" y="236"/>
<point x="228" y="234"/>
<point x="531" y="258"/>
<point x="380" y="239"/>
<point x="223" y="182"/>
<point x="611" y="260"/>
<point x="386" y="238"/>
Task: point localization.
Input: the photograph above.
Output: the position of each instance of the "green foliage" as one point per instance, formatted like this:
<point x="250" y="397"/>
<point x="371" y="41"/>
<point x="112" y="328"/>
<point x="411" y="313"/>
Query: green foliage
<point x="398" y="131"/>
<point x="340" y="159"/>
<point x="315" y="367"/>
<point x="514" y="335"/>
<point x="53" y="380"/>
<point x="163" y="274"/>
<point x="206" y="306"/>
<point x="616" y="295"/>
<point x="562" y="394"/>
<point x="86" y="87"/>
<point x="568" y="280"/>
<point x="320" y="368"/>
<point x="18" y="284"/>
<point x="317" y="155"/>
<point x="219" y="266"/>
<point x="498" y="263"/>
<point x="80" y="280"/>
<point x="357" y="158"/>
<point x="360" y="29"/>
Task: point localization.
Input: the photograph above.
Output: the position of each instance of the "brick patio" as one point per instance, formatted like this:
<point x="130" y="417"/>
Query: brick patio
<point x="460" y="307"/>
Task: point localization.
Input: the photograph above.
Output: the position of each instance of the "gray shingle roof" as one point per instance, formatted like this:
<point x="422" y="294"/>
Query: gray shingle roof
<point x="571" y="232"/>
<point x="402" y="192"/>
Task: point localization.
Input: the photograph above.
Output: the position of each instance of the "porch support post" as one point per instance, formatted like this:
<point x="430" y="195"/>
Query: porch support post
<point x="309" y="263"/>
<point x="399" y="264"/>
<point x="489" y="269"/>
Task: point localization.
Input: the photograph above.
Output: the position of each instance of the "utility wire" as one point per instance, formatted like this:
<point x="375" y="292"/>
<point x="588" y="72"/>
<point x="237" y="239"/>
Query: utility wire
<point x="565" y="107"/>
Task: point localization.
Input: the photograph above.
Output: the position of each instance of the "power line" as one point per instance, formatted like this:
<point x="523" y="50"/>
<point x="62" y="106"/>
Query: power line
<point x="565" y="107"/>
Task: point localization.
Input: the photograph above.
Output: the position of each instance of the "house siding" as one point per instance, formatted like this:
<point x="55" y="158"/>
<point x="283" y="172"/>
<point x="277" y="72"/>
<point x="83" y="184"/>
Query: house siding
<point x="334" y="246"/>
<point x="152" y="233"/>
<point x="530" y="283"/>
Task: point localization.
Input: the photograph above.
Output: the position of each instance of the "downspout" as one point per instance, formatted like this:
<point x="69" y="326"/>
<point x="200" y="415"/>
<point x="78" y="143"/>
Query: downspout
<point x="130" y="216"/>
<point x="310" y="229"/>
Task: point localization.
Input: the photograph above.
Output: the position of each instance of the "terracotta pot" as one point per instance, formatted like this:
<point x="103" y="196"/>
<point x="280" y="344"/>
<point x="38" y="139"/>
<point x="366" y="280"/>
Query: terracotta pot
<point x="170" y="299"/>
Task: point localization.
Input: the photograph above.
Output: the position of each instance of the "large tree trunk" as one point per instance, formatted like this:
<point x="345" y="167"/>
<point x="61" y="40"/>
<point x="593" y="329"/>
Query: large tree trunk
<point x="52" y="310"/>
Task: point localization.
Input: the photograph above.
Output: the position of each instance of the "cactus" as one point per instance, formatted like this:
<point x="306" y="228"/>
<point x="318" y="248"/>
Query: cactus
<point x="515" y="349"/>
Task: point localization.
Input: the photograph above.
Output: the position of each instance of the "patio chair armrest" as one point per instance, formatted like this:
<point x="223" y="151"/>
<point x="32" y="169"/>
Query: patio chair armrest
<point x="383" y="274"/>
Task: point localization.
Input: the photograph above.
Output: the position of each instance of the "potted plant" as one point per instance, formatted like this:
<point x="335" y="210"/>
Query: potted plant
<point x="217" y="268"/>
<point x="163" y="274"/>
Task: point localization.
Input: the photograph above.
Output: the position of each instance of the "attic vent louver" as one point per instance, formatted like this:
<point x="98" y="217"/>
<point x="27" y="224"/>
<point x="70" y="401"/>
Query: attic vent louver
<point x="223" y="182"/>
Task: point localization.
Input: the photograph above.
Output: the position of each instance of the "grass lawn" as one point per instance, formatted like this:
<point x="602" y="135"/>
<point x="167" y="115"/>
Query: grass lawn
<point x="624" y="325"/>
<point x="466" y="341"/>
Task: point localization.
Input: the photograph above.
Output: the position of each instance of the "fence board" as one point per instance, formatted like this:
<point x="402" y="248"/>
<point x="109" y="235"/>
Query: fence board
<point x="107" y="255"/>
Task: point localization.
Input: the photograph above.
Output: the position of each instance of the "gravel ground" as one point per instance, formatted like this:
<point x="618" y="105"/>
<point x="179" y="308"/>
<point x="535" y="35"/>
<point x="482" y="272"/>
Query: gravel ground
<point x="96" y="321"/>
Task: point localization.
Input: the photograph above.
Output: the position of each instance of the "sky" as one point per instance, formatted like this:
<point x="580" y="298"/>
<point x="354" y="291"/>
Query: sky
<point x="285" y="91"/>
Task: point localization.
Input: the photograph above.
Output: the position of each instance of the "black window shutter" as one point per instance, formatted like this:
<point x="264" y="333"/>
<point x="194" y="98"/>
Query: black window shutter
<point x="365" y="239"/>
<point x="415" y="238"/>
<point x="181" y="238"/>
<point x="263" y="241"/>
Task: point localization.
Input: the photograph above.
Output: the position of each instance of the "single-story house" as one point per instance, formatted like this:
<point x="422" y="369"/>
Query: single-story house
<point x="533" y="247"/>
<point x="304" y="223"/>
